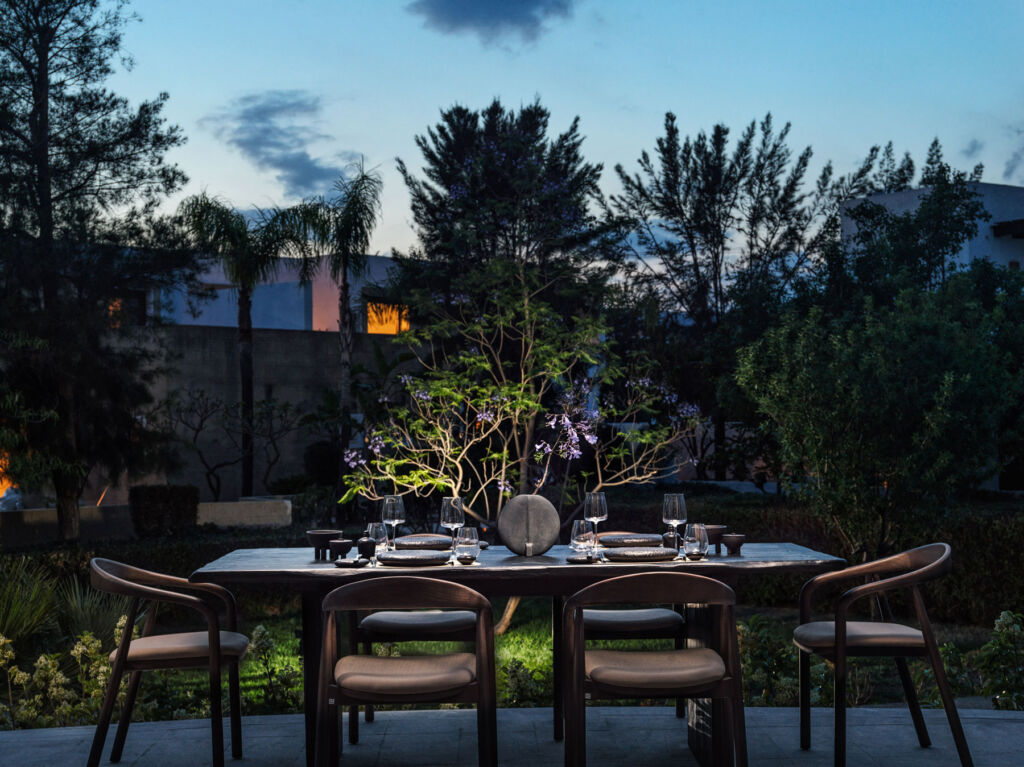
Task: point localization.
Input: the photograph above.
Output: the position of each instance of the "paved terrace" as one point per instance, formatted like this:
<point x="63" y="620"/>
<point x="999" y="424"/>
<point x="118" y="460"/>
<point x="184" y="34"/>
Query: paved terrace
<point x="878" y="737"/>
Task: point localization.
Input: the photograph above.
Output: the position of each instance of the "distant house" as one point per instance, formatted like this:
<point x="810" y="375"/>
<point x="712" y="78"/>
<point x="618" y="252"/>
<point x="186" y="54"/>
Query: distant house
<point x="1000" y="240"/>
<point x="284" y="303"/>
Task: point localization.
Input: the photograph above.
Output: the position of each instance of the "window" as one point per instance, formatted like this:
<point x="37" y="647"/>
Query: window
<point x="386" y="319"/>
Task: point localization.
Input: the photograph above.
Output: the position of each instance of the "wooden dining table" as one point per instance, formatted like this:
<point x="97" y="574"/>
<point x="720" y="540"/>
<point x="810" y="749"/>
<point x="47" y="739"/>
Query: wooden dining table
<point x="500" y="573"/>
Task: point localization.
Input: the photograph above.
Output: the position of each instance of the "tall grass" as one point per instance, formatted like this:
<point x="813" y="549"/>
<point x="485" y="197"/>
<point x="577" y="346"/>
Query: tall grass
<point x="26" y="599"/>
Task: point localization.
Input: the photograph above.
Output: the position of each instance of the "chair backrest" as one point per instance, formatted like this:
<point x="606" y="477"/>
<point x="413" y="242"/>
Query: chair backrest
<point x="126" y="580"/>
<point x="405" y="592"/>
<point x="924" y="563"/>
<point x="654" y="588"/>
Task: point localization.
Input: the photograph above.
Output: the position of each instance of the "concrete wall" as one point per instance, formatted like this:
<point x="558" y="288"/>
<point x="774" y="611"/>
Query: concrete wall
<point x="291" y="366"/>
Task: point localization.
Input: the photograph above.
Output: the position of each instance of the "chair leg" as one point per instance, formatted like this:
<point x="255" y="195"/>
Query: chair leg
<point x="236" y="712"/>
<point x="353" y="724"/>
<point x="105" y="714"/>
<point x="912" y="702"/>
<point x="126" y="717"/>
<point x="368" y="715"/>
<point x="739" y="727"/>
<point x="487" y="734"/>
<point x="839" y="736"/>
<point x="680" y="702"/>
<point x="946" y="692"/>
<point x="333" y="738"/>
<point x="805" y="700"/>
<point x="575" y="712"/>
<point x="216" y="716"/>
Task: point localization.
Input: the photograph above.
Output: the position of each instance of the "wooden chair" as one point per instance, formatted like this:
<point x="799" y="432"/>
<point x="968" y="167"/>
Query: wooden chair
<point x="355" y="680"/>
<point x="841" y="638"/>
<point x="707" y="672"/>
<point x="212" y="648"/>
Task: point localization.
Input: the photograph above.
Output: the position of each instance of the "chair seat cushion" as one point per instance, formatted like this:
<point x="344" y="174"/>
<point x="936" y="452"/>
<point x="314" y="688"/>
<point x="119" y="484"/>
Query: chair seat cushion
<point x="191" y="645"/>
<point x="419" y="623"/>
<point x="639" y="622"/>
<point x="860" y="635"/>
<point x="661" y="670"/>
<point x="406" y="675"/>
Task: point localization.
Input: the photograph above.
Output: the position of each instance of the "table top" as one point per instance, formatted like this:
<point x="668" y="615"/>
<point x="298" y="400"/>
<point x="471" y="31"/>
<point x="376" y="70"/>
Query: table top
<point x="499" y="572"/>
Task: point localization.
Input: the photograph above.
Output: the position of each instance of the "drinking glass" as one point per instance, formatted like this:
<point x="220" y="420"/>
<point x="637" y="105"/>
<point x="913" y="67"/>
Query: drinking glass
<point x="695" y="541"/>
<point x="452" y="517"/>
<point x="595" y="510"/>
<point x="582" y="538"/>
<point x="393" y="513"/>
<point x="379" y="533"/>
<point x="673" y="512"/>
<point x="467" y="546"/>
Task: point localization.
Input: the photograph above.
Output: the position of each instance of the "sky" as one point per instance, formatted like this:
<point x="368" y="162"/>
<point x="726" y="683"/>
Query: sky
<point x="277" y="98"/>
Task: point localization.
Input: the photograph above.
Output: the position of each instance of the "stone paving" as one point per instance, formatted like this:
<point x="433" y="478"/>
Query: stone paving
<point x="878" y="737"/>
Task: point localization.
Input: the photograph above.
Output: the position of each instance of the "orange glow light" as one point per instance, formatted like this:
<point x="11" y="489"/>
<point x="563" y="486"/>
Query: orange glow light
<point x="386" y="319"/>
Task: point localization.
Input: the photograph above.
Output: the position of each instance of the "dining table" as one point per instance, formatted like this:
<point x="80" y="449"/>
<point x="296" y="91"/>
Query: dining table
<point x="500" y="573"/>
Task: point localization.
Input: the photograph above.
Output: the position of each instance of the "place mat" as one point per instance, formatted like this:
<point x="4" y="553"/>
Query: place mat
<point x="621" y="540"/>
<point x="580" y="558"/>
<point x="413" y="558"/>
<point x="424" y="542"/>
<point x="640" y="554"/>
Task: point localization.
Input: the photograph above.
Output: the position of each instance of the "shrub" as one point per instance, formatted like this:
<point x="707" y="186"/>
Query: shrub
<point x="26" y="599"/>
<point x="163" y="509"/>
<point x="1001" y="662"/>
<point x="82" y="609"/>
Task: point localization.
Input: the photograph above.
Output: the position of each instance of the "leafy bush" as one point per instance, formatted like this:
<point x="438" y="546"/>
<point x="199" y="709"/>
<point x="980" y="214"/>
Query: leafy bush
<point x="82" y="609"/>
<point x="163" y="509"/>
<point x="1001" y="662"/>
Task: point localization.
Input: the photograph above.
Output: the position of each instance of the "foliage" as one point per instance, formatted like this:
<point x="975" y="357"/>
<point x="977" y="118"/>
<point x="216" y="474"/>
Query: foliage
<point x="283" y="682"/>
<point x="1001" y="662"/>
<point x="163" y="509"/>
<point x="74" y="274"/>
<point x="26" y="598"/>
<point x="81" y="609"/>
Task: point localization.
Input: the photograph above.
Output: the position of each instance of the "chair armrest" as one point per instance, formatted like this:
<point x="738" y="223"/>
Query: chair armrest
<point x="894" y="563"/>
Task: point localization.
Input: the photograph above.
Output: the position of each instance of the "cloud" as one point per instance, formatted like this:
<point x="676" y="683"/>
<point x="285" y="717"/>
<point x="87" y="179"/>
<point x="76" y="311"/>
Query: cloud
<point x="1017" y="158"/>
<point x="973" y="148"/>
<point x="273" y="130"/>
<point x="491" y="19"/>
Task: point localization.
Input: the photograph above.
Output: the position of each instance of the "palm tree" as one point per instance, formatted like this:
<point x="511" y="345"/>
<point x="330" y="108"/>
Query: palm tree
<point x="249" y="250"/>
<point x="341" y="228"/>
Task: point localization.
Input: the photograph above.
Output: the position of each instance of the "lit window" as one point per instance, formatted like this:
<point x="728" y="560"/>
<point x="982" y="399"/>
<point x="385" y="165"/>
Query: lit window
<point x="114" y="310"/>
<point x="4" y="481"/>
<point x="386" y="319"/>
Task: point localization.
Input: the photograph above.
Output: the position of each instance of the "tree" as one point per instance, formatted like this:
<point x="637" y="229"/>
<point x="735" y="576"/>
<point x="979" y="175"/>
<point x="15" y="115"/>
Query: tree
<point x="506" y="231"/>
<point x="250" y="251"/>
<point x="341" y="228"/>
<point x="74" y="274"/>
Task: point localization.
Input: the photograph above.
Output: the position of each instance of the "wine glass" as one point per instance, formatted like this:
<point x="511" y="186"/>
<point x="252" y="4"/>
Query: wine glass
<point x="379" y="533"/>
<point x="452" y="517"/>
<point x="582" y="538"/>
<point x="673" y="513"/>
<point x="467" y="546"/>
<point x="595" y="510"/>
<point x="393" y="513"/>
<point x="695" y="541"/>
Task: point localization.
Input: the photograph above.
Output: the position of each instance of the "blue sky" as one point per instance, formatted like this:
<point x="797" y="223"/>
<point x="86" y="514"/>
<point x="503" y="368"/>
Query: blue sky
<point x="276" y="98"/>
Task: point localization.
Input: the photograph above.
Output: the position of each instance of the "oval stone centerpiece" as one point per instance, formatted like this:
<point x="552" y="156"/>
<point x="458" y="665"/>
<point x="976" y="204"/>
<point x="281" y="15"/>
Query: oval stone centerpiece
<point x="528" y="525"/>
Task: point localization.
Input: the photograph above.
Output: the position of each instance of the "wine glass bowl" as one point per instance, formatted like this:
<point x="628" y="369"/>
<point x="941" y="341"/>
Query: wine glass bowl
<point x="453" y="516"/>
<point x="392" y="513"/>
<point x="378" y="533"/>
<point x="467" y="546"/>
<point x="673" y="513"/>
<point x="695" y="542"/>
<point x="595" y="509"/>
<point x="582" y="538"/>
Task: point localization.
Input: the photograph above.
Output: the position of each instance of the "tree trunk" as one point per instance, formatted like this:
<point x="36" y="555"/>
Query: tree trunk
<point x="346" y="342"/>
<point x="67" y="489"/>
<point x="721" y="462"/>
<point x="246" y="375"/>
<point x="524" y="457"/>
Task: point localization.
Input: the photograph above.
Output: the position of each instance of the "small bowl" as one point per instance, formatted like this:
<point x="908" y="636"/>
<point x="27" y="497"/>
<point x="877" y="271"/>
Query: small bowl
<point x="367" y="547"/>
<point x="340" y="547"/>
<point x="320" y="541"/>
<point x="715" y="533"/>
<point x="733" y="543"/>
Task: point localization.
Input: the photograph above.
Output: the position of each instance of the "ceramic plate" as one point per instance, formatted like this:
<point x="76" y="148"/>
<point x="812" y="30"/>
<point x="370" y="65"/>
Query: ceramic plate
<point x="424" y="541"/>
<point x="640" y="554"/>
<point x="413" y="558"/>
<point x="620" y="540"/>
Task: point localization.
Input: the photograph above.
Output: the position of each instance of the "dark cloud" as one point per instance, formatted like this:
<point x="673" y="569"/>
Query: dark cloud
<point x="273" y="130"/>
<point x="973" y="148"/>
<point x="1017" y="158"/>
<point x="491" y="19"/>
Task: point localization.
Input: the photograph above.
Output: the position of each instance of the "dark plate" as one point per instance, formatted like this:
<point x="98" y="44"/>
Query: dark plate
<point x="621" y="540"/>
<point x="413" y="558"/>
<point x="640" y="554"/>
<point x="424" y="542"/>
<point x="579" y="558"/>
<point x="360" y="562"/>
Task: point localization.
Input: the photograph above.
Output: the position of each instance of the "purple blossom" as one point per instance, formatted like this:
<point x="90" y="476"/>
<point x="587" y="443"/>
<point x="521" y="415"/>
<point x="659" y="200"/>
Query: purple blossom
<point x="376" y="444"/>
<point x="422" y="394"/>
<point x="353" y="459"/>
<point x="504" y="486"/>
<point x="405" y="379"/>
<point x="485" y="416"/>
<point x="542" y="447"/>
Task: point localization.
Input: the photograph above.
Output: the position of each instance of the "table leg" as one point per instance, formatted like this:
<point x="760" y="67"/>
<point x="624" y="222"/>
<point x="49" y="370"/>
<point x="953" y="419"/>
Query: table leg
<point x="705" y="718"/>
<point x="312" y="639"/>
<point x="557" y="663"/>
